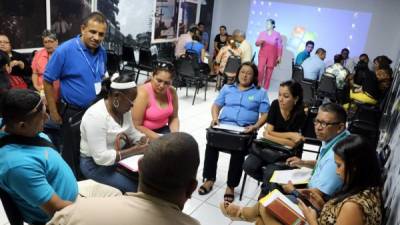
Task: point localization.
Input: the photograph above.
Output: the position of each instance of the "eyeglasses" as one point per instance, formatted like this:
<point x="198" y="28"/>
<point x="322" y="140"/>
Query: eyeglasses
<point x="4" y="42"/>
<point x="324" y="124"/>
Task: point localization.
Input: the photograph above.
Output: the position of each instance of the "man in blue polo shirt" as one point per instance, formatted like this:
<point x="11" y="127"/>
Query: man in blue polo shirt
<point x="330" y="128"/>
<point x="79" y="64"/>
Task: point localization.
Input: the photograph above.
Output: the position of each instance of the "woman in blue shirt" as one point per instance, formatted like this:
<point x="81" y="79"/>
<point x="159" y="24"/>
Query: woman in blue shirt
<point x="242" y="104"/>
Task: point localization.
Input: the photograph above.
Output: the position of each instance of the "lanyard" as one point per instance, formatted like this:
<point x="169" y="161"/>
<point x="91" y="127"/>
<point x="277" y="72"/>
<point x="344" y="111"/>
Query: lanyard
<point x="329" y="148"/>
<point x="88" y="63"/>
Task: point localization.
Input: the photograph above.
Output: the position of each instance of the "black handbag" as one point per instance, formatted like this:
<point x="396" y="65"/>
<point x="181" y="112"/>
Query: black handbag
<point x="229" y="141"/>
<point x="270" y="151"/>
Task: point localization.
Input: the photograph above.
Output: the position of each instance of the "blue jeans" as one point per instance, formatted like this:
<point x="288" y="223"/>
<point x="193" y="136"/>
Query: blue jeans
<point x="107" y="175"/>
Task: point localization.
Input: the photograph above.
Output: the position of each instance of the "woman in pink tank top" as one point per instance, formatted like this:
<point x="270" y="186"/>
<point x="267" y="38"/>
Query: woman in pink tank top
<point x="156" y="106"/>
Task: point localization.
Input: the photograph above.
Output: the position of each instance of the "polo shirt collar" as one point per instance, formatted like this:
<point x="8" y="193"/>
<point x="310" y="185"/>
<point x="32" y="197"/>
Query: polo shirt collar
<point x="83" y="46"/>
<point x="329" y="144"/>
<point x="237" y="86"/>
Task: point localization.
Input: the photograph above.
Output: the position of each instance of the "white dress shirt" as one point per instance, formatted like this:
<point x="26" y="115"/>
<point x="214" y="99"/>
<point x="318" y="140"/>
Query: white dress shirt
<point x="98" y="133"/>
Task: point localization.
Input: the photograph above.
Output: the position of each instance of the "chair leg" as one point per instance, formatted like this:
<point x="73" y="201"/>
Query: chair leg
<point x="187" y="87"/>
<point x="205" y="90"/>
<point x="243" y="183"/>
<point x="137" y="76"/>
<point x="196" y="90"/>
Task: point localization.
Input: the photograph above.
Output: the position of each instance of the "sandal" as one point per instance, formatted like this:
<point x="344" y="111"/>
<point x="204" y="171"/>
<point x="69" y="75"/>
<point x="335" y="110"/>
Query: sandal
<point x="229" y="197"/>
<point x="232" y="211"/>
<point x="203" y="190"/>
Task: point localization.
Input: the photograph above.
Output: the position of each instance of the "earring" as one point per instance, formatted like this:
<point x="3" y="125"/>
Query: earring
<point x="115" y="103"/>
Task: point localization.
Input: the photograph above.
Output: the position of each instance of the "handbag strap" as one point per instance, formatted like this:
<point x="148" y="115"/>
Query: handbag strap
<point x="23" y="140"/>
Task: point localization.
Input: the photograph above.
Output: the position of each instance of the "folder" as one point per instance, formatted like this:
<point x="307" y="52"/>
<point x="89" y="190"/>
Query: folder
<point x="284" y="210"/>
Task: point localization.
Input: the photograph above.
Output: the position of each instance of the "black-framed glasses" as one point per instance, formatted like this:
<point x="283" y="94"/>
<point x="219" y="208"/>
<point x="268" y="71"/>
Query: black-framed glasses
<point x="324" y="124"/>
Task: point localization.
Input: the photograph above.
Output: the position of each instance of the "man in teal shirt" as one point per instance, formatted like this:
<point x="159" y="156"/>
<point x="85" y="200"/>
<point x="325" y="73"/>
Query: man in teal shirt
<point x="330" y="128"/>
<point x="304" y="54"/>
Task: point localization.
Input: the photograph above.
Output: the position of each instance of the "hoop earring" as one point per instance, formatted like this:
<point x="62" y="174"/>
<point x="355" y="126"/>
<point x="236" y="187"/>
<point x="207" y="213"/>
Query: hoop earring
<point x="115" y="103"/>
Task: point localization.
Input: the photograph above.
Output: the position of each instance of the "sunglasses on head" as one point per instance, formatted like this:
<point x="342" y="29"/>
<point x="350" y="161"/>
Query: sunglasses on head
<point x="165" y="65"/>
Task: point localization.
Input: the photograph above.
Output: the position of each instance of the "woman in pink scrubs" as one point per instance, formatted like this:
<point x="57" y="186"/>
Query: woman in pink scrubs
<point x="270" y="43"/>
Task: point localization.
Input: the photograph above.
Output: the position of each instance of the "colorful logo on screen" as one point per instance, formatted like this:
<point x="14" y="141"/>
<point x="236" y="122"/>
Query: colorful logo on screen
<point x="298" y="39"/>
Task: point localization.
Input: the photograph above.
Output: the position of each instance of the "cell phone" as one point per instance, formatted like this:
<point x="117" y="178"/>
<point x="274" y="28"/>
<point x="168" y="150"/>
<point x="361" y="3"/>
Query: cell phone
<point x="302" y="197"/>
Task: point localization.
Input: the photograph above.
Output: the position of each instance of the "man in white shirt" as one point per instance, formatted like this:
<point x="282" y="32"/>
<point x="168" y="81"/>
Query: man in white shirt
<point x="183" y="40"/>
<point x="240" y="38"/>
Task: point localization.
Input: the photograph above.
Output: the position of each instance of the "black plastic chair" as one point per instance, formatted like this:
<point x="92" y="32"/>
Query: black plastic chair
<point x="188" y="71"/>
<point x="146" y="62"/>
<point x="327" y="87"/>
<point x="297" y="73"/>
<point x="365" y="121"/>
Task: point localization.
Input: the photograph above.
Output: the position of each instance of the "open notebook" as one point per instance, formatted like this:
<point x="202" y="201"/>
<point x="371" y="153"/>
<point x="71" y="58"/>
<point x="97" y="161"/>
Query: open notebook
<point x="296" y="176"/>
<point x="131" y="163"/>
<point x="284" y="210"/>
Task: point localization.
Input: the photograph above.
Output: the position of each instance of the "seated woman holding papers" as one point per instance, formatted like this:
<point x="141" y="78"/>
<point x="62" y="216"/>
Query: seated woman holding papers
<point x="241" y="104"/>
<point x="285" y="119"/>
<point x="104" y="128"/>
<point x="359" y="201"/>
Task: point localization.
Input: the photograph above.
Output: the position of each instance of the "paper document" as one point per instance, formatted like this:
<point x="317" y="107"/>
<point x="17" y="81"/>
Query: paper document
<point x="275" y="194"/>
<point x="229" y="127"/>
<point x="296" y="176"/>
<point x="311" y="147"/>
<point x="131" y="163"/>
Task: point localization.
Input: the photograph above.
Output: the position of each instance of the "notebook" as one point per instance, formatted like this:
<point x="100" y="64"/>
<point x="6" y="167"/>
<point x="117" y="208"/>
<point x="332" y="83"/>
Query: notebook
<point x="131" y="163"/>
<point x="284" y="210"/>
<point x="296" y="176"/>
<point x="229" y="127"/>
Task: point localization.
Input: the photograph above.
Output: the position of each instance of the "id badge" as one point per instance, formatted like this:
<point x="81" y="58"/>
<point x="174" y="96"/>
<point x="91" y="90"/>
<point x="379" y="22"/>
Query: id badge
<point x="97" y="87"/>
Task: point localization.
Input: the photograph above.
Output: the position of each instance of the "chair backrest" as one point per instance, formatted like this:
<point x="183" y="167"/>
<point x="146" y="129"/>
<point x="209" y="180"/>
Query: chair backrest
<point x="185" y="66"/>
<point x="297" y="73"/>
<point x="327" y="87"/>
<point x="233" y="64"/>
<point x="146" y="59"/>
<point x="13" y="214"/>
<point x="312" y="145"/>
<point x="308" y="92"/>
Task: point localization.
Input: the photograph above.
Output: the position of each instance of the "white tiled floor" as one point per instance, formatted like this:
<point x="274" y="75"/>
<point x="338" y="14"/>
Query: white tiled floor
<point x="194" y="120"/>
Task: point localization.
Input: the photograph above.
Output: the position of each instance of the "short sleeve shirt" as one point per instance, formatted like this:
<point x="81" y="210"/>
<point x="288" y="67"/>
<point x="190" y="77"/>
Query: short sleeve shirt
<point x="294" y="124"/>
<point x="78" y="70"/>
<point x="241" y="108"/>
<point x="324" y="176"/>
<point x="31" y="175"/>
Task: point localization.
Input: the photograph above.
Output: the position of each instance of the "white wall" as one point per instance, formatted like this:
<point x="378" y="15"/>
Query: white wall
<point x="383" y="36"/>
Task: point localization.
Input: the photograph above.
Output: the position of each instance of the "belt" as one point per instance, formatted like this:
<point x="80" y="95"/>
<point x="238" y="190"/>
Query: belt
<point x="71" y="106"/>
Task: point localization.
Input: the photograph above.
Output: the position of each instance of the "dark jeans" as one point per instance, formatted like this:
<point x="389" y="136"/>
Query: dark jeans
<point x="235" y="166"/>
<point x="70" y="131"/>
<point x="107" y="175"/>
<point x="53" y="131"/>
<point x="163" y="130"/>
<point x="262" y="171"/>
